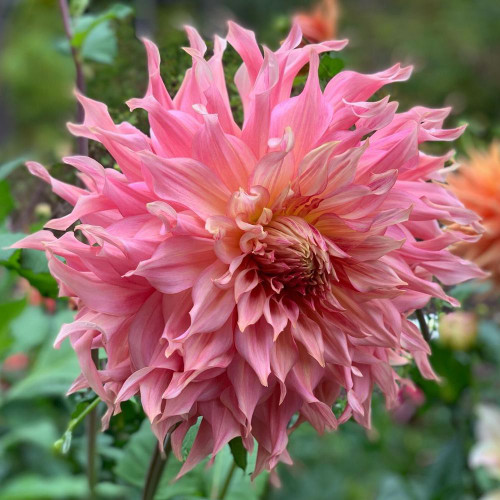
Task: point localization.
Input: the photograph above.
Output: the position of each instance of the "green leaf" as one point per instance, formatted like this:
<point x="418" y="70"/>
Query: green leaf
<point x="29" y="329"/>
<point x="41" y="433"/>
<point x="6" y="201"/>
<point x="241" y="486"/>
<point x="8" y="311"/>
<point x="10" y="166"/>
<point x="86" y="24"/>
<point x="489" y="340"/>
<point x="239" y="453"/>
<point x="133" y="465"/>
<point x="199" y="482"/>
<point x="120" y="11"/>
<point x="34" y="487"/>
<point x="66" y="442"/>
<point x="53" y="370"/>
<point x="113" y="491"/>
<point x="464" y="291"/>
<point x="394" y="488"/>
<point x="187" y="444"/>
<point x="43" y="282"/>
<point x="78" y="7"/>
<point x="34" y="260"/>
<point x="329" y="66"/>
<point x="100" y="45"/>
<point x="445" y="475"/>
<point x="7" y="239"/>
<point x="30" y="264"/>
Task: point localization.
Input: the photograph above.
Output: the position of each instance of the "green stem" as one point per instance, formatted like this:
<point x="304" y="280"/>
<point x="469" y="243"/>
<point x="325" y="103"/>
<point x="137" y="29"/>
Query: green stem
<point x="92" y="427"/>
<point x="82" y="142"/>
<point x="227" y="482"/>
<point x="423" y="325"/>
<point x="155" y="470"/>
<point x="76" y="421"/>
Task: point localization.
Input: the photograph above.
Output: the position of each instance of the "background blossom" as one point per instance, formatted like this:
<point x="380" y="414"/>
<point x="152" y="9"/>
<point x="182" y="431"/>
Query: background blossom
<point x="476" y="185"/>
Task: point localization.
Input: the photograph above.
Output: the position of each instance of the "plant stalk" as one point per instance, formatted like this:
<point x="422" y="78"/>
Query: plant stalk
<point x="156" y="466"/>
<point x="227" y="482"/>
<point x="82" y="143"/>
<point x="424" y="328"/>
<point x="91" y="407"/>
<point x="92" y="427"/>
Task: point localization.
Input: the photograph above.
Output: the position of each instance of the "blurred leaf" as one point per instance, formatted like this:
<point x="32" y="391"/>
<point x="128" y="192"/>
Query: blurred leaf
<point x="329" y="66"/>
<point x="7" y="239"/>
<point x="8" y="311"/>
<point x="396" y="488"/>
<point x="464" y="291"/>
<point x="66" y="442"/>
<point x="41" y="432"/>
<point x="100" y="45"/>
<point x="187" y="444"/>
<point x="86" y="24"/>
<point x="200" y="482"/>
<point x="454" y="368"/>
<point x="111" y="490"/>
<point x="29" y="329"/>
<point x="33" y="487"/>
<point x="43" y="282"/>
<point x="53" y="370"/>
<point x="489" y="340"/>
<point x="78" y="7"/>
<point x="135" y="460"/>
<point x="10" y="166"/>
<point x="239" y="453"/>
<point x="28" y="263"/>
<point x="444" y="479"/>
<point x="241" y="486"/>
<point x="6" y="200"/>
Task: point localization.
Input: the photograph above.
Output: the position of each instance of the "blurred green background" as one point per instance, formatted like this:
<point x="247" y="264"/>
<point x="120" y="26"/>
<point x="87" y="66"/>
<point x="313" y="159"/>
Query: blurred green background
<point x="418" y="451"/>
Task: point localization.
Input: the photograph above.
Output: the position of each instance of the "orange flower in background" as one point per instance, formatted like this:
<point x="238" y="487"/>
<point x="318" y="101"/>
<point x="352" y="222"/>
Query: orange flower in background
<point x="319" y="24"/>
<point x="477" y="184"/>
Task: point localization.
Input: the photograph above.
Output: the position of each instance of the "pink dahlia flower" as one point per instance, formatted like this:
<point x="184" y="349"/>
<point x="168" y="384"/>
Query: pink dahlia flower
<point x="247" y="273"/>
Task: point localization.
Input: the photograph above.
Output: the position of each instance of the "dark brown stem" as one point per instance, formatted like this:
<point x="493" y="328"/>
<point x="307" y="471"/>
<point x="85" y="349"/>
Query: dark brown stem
<point x="155" y="470"/>
<point x="423" y="325"/>
<point x="82" y="142"/>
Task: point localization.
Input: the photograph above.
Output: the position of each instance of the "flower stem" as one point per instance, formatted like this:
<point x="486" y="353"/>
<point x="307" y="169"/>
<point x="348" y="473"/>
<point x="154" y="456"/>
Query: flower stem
<point x="155" y="470"/>
<point x="227" y="482"/>
<point x="82" y="142"/>
<point x="423" y="325"/>
<point x="74" y="423"/>
<point x="92" y="424"/>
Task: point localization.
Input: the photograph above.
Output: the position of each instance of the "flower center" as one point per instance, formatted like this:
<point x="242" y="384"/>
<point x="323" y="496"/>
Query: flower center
<point x="294" y="256"/>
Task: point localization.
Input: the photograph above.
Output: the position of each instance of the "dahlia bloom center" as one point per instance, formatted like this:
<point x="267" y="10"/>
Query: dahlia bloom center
<point x="295" y="256"/>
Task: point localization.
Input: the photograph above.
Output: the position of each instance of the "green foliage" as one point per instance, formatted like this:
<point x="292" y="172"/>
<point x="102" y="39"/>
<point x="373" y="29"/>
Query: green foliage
<point x="78" y="7"/>
<point x="7" y="168"/>
<point x="52" y="371"/>
<point x="329" y="66"/>
<point x="33" y="487"/>
<point x="6" y="201"/>
<point x="94" y="37"/>
<point x="29" y="264"/>
<point x="239" y="453"/>
<point x="198" y="483"/>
